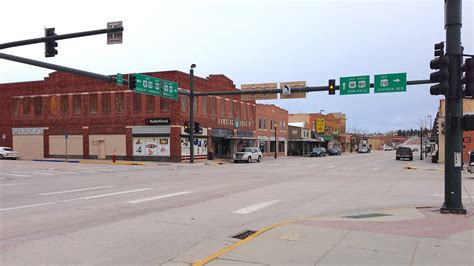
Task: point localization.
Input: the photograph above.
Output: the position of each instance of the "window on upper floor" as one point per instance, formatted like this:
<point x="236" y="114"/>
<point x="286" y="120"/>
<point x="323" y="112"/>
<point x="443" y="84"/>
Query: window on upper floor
<point x="184" y="103"/>
<point x="16" y="106"/>
<point x="150" y="104"/>
<point x="106" y="105"/>
<point x="137" y="102"/>
<point x="26" y="106"/>
<point x="64" y="104"/>
<point x="38" y="105"/>
<point x="119" y="102"/>
<point x="76" y="104"/>
<point x="223" y="107"/>
<point x="213" y="105"/>
<point x="164" y="104"/>
<point x="93" y="103"/>
<point x="204" y="105"/>
<point x="231" y="109"/>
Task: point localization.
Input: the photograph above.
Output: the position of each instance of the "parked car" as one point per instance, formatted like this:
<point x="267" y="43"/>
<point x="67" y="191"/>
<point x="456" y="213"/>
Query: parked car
<point x="388" y="148"/>
<point x="9" y="153"/>
<point x="334" y="151"/>
<point x="363" y="150"/>
<point x="248" y="154"/>
<point x="404" y="153"/>
<point x="318" y="152"/>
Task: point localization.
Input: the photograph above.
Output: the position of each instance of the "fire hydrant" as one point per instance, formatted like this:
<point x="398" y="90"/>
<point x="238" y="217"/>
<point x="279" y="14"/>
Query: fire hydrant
<point x="113" y="158"/>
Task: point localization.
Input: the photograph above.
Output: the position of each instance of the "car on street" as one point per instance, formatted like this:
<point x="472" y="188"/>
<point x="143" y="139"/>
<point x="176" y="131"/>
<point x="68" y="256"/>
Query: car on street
<point x="470" y="163"/>
<point x="404" y="153"/>
<point x="334" y="151"/>
<point x="363" y="150"/>
<point x="318" y="152"/>
<point x="248" y="154"/>
<point x="9" y="153"/>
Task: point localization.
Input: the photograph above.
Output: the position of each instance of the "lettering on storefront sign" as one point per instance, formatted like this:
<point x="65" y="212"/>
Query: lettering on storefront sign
<point x="230" y="122"/>
<point x="157" y="121"/>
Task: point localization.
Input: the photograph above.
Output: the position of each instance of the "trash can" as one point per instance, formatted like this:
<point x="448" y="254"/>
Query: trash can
<point x="210" y="155"/>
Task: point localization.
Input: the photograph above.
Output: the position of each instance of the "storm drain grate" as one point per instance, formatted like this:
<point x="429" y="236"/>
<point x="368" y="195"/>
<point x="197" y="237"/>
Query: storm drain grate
<point x="244" y="234"/>
<point x="369" y="215"/>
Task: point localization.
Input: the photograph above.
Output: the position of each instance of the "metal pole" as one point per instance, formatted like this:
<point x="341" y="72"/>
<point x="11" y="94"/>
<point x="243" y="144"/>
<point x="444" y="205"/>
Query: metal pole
<point x="453" y="143"/>
<point x="276" y="142"/>
<point x="66" y="149"/>
<point x="191" y="114"/>
<point x="421" y="143"/>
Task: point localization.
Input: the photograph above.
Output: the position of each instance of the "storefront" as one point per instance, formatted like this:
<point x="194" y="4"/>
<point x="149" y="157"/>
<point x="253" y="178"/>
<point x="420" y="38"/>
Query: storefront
<point x="222" y="142"/>
<point x="200" y="145"/>
<point x="151" y="143"/>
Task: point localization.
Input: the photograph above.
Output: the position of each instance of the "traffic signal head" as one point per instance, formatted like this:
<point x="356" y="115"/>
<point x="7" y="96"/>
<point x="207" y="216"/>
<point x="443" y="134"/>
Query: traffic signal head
<point x="439" y="49"/>
<point x="196" y="127"/>
<point x="332" y="86"/>
<point x="186" y="127"/>
<point x="467" y="122"/>
<point x="132" y="82"/>
<point x="50" y="46"/>
<point x="468" y="77"/>
<point x="441" y="76"/>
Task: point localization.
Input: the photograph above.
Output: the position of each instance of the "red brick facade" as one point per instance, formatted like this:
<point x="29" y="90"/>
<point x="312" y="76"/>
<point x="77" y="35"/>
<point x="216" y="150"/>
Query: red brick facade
<point x="65" y="103"/>
<point x="270" y="116"/>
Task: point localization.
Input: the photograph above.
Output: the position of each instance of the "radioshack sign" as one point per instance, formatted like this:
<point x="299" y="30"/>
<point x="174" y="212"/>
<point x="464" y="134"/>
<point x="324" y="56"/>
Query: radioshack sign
<point x="157" y="121"/>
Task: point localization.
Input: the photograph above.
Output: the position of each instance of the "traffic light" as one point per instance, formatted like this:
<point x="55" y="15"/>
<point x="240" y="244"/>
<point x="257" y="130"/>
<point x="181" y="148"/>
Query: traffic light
<point x="441" y="76"/>
<point x="186" y="127"/>
<point x="132" y="82"/>
<point x="196" y="127"/>
<point x="468" y="77"/>
<point x="50" y="46"/>
<point x="332" y="87"/>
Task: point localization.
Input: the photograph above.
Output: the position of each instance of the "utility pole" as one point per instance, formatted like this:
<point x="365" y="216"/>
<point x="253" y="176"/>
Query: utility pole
<point x="421" y="143"/>
<point x="191" y="113"/>
<point x="453" y="143"/>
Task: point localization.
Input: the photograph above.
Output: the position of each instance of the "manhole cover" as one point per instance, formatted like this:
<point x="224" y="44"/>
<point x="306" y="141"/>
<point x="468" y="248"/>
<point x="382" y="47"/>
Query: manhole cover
<point x="369" y="215"/>
<point x="244" y="234"/>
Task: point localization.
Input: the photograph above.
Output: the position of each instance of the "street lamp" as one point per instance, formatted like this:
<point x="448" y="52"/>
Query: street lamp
<point x="191" y="113"/>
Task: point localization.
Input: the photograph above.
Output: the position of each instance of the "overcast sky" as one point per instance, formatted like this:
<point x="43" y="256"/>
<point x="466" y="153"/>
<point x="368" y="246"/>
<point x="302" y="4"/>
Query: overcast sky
<point x="252" y="42"/>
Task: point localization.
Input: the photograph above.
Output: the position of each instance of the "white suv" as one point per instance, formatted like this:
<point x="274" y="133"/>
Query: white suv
<point x="248" y="154"/>
<point x="6" y="152"/>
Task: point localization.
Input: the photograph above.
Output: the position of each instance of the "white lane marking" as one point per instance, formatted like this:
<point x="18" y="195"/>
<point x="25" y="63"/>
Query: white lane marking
<point x="293" y="164"/>
<point x="274" y="164"/>
<point x="442" y="195"/>
<point x="59" y="172"/>
<point x="95" y="169"/>
<point x="9" y="174"/>
<point x="10" y="184"/>
<point x="35" y="173"/>
<point x="314" y="165"/>
<point x="255" y="207"/>
<point x="159" y="197"/>
<point x="332" y="166"/>
<point x="115" y="193"/>
<point x="375" y="168"/>
<point x="36" y="205"/>
<point x="74" y="190"/>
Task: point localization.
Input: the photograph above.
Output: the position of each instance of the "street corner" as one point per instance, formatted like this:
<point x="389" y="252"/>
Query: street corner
<point x="410" y="167"/>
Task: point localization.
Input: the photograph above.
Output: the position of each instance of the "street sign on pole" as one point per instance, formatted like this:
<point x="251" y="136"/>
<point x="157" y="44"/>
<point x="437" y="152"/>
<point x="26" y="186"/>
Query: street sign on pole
<point x="114" y="37"/>
<point x="395" y="82"/>
<point x="293" y="85"/>
<point x="259" y="86"/>
<point x="320" y="125"/>
<point x="170" y="90"/>
<point x="354" y="85"/>
<point x="119" y="79"/>
<point x="148" y="85"/>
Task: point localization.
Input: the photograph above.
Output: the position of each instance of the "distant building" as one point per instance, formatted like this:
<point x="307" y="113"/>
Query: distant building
<point x="272" y="119"/>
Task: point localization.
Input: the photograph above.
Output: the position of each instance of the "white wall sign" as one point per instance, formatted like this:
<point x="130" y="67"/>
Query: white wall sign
<point x="200" y="146"/>
<point x="151" y="146"/>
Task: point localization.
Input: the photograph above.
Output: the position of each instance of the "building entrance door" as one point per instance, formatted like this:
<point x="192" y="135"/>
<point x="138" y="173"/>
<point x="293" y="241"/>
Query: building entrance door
<point x="101" y="154"/>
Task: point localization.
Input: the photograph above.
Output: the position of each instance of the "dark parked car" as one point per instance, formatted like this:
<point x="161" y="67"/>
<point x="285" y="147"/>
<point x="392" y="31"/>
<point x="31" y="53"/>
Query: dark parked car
<point x="404" y="153"/>
<point x="318" y="152"/>
<point x="334" y="151"/>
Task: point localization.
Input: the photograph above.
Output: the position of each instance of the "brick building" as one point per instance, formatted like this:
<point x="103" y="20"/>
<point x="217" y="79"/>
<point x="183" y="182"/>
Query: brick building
<point x="97" y="119"/>
<point x="271" y="118"/>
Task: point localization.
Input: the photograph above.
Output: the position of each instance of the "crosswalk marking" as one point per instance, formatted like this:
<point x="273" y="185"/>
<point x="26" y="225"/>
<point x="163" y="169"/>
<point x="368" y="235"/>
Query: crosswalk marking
<point x="293" y="164"/>
<point x="159" y="197"/>
<point x="59" y="172"/>
<point x="255" y="207"/>
<point x="314" y="165"/>
<point x="74" y="190"/>
<point x="115" y="193"/>
<point x="36" y="173"/>
<point x="332" y="166"/>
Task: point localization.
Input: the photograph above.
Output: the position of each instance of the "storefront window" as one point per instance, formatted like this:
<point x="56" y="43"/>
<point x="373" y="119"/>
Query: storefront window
<point x="272" y="146"/>
<point x="281" y="146"/>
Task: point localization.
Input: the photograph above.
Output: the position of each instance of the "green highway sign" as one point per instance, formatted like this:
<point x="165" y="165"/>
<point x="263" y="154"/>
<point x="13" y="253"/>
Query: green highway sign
<point x="119" y="79"/>
<point x="148" y="85"/>
<point x="395" y="82"/>
<point x="354" y="85"/>
<point x="170" y="90"/>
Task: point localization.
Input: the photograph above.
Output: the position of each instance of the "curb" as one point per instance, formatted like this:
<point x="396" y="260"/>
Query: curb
<point x="119" y="163"/>
<point x="55" y="161"/>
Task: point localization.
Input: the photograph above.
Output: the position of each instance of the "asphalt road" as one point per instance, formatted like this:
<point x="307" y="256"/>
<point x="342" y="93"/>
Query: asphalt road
<point x="66" y="213"/>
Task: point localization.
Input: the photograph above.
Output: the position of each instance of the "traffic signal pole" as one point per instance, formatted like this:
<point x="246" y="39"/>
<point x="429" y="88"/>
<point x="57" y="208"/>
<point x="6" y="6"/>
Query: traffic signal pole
<point x="191" y="114"/>
<point x="453" y="143"/>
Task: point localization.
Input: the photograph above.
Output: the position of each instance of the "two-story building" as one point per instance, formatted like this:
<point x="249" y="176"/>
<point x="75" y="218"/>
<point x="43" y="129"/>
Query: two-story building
<point x="272" y="129"/>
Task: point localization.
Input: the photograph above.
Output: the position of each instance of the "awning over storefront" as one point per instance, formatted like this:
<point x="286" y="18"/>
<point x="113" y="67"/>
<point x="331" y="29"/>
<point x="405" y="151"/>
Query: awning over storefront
<point x="237" y="137"/>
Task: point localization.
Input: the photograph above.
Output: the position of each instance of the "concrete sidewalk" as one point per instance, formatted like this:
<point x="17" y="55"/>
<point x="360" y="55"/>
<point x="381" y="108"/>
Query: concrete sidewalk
<point x="405" y="236"/>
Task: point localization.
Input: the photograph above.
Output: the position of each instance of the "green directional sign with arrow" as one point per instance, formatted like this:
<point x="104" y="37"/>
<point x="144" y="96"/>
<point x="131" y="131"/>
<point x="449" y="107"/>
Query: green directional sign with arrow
<point x="395" y="82"/>
<point x="354" y="85"/>
<point x="148" y="85"/>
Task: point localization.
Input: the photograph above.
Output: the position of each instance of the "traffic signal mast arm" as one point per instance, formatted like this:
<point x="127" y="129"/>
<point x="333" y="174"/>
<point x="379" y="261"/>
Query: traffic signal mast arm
<point x="59" y="37"/>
